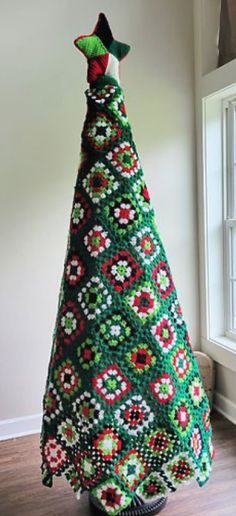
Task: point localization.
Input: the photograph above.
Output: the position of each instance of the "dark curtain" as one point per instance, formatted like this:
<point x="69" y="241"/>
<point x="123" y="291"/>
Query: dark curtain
<point x="227" y="32"/>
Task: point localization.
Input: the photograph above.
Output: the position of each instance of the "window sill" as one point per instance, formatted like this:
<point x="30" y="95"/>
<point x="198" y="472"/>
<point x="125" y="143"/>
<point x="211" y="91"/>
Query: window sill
<point x="222" y="350"/>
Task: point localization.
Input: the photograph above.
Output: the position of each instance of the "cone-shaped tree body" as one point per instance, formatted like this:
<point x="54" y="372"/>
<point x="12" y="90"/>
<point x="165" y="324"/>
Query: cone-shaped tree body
<point x="124" y="409"/>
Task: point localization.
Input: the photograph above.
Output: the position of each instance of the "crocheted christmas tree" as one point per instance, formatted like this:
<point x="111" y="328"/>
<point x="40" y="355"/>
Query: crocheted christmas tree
<point x="124" y="410"/>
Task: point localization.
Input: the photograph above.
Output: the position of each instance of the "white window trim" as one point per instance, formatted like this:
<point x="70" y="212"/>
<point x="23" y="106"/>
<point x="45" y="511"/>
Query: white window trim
<point x="229" y="211"/>
<point x="212" y="92"/>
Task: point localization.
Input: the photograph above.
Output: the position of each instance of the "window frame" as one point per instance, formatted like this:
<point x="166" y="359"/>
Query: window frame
<point x="229" y="209"/>
<point x="215" y="89"/>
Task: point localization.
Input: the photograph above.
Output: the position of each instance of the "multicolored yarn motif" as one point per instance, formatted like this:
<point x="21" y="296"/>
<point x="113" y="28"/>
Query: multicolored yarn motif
<point x="124" y="409"/>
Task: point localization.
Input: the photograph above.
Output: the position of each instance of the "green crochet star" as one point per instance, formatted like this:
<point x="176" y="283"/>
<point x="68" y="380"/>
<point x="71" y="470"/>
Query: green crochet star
<point x="101" y="41"/>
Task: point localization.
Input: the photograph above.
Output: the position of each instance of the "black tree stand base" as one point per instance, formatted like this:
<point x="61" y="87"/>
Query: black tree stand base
<point x="136" y="508"/>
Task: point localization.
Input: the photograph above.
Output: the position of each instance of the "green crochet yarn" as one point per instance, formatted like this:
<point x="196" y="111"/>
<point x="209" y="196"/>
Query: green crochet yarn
<point x="91" y="46"/>
<point x="124" y="408"/>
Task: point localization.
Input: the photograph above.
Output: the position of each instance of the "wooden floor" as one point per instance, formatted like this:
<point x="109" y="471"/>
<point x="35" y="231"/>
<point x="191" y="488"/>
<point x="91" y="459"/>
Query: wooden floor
<point x="22" y="493"/>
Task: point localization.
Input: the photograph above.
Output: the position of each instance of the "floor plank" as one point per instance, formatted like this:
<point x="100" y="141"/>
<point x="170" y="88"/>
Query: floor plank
<point x="22" y="493"/>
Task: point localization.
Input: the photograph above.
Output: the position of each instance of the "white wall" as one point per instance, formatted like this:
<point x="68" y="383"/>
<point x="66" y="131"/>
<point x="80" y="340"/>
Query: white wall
<point x="43" y="107"/>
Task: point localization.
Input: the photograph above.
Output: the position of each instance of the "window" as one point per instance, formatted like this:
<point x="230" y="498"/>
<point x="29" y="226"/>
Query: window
<point x="217" y="225"/>
<point x="229" y="160"/>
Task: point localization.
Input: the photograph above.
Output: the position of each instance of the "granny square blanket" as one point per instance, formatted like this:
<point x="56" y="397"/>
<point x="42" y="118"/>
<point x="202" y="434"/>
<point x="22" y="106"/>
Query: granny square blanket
<point x="124" y="409"/>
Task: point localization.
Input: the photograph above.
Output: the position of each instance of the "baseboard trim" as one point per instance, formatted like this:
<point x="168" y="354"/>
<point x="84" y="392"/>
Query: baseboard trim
<point x="225" y="406"/>
<point x="20" y="426"/>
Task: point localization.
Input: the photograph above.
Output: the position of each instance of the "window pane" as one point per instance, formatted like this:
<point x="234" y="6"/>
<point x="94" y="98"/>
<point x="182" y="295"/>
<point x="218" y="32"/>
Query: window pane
<point x="234" y="305"/>
<point x="234" y="164"/>
<point x="233" y="252"/>
<point x="234" y="193"/>
<point x="232" y="279"/>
